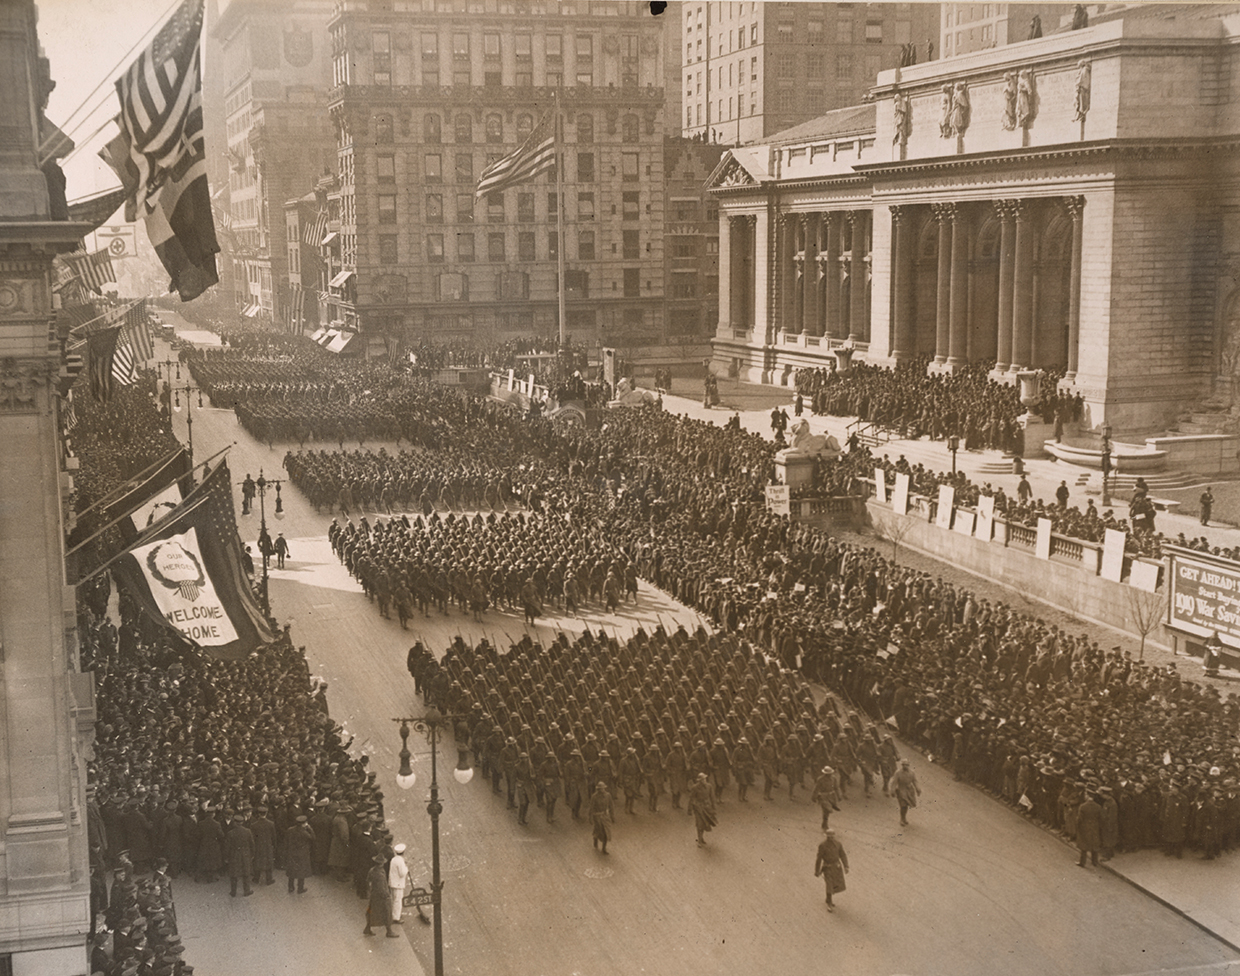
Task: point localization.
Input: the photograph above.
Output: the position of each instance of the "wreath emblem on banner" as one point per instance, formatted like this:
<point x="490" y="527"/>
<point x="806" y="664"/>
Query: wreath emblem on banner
<point x="176" y="568"/>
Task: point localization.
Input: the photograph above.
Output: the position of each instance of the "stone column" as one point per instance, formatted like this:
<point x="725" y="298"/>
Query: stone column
<point x="786" y="274"/>
<point x="1076" y="209"/>
<point x="739" y="240"/>
<point x="831" y="268"/>
<point x="943" y="214"/>
<point x="958" y="338"/>
<point x="857" y="278"/>
<point x="1007" y="254"/>
<point x="901" y="252"/>
<point x="796" y="324"/>
<point x="723" y="328"/>
<point x="809" y="282"/>
<point x="1022" y="297"/>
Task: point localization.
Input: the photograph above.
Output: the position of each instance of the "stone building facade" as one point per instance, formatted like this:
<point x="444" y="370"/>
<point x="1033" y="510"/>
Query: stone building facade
<point x="749" y="70"/>
<point x="1067" y="203"/>
<point x="46" y="705"/>
<point x="424" y="99"/>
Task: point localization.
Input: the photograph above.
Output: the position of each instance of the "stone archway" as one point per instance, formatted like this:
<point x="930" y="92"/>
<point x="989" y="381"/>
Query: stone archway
<point x="1053" y="264"/>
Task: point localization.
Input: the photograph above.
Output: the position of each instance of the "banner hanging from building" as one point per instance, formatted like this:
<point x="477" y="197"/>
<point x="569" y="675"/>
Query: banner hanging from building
<point x="183" y="591"/>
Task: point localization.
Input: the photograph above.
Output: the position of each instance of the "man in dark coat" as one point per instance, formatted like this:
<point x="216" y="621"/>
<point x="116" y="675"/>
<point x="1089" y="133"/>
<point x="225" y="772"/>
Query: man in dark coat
<point x="210" y="847"/>
<point x="299" y="842"/>
<point x="171" y="838"/>
<point x="264" y="832"/>
<point x="239" y="848"/>
<point x="831" y="865"/>
<point x="906" y="788"/>
<point x="379" y="905"/>
<point x="321" y="824"/>
<point x="702" y="806"/>
<point x="600" y="813"/>
<point x="1088" y="830"/>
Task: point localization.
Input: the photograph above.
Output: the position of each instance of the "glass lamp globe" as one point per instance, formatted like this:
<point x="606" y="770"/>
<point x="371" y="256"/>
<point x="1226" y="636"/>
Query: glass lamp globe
<point x="405" y="782"/>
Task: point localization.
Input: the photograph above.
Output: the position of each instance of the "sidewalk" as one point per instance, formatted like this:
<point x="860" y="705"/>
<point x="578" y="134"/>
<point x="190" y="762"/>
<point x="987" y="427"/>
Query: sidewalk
<point x="1207" y="893"/>
<point x="278" y="934"/>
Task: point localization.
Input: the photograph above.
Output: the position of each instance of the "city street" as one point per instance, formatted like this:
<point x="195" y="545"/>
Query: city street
<point x="968" y="888"/>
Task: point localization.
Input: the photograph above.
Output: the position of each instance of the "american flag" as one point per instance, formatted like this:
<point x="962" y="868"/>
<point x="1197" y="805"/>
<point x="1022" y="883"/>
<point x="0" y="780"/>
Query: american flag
<point x="316" y="230"/>
<point x="92" y="270"/>
<point x="124" y="365"/>
<point x="535" y="155"/>
<point x="160" y="154"/>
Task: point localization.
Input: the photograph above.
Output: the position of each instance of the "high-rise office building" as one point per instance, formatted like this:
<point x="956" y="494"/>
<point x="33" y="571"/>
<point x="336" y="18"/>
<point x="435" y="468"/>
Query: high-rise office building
<point x="968" y="27"/>
<point x="753" y="69"/>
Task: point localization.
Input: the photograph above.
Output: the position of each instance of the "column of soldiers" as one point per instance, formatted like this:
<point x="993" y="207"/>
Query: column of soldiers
<point x="645" y="719"/>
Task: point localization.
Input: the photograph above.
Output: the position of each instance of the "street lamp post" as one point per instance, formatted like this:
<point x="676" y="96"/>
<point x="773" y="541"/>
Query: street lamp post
<point x="429" y="725"/>
<point x="189" y="416"/>
<point x="1106" y="465"/>
<point x="953" y="445"/>
<point x="264" y="540"/>
<point x="1214" y="647"/>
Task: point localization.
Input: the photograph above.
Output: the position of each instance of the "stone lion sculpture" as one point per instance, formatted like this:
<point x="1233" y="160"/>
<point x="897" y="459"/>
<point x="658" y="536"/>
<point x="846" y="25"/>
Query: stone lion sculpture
<point x="808" y="443"/>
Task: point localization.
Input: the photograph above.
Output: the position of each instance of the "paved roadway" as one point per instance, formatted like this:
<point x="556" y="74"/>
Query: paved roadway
<point x="968" y="888"/>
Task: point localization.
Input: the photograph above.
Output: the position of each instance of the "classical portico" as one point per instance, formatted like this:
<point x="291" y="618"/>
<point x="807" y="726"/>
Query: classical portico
<point x="1082" y="230"/>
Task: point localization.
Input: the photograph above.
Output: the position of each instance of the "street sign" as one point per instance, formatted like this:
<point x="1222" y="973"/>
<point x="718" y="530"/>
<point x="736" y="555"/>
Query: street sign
<point x="419" y="897"/>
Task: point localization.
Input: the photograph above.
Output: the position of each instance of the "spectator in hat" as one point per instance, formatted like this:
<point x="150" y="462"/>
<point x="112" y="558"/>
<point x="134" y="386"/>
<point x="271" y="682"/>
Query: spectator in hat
<point x="264" y="832"/>
<point x="1088" y="830"/>
<point x="239" y="848"/>
<point x="379" y="905"/>
<point x="299" y="845"/>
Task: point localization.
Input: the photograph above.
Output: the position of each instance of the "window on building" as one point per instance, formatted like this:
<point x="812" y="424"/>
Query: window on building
<point x="688" y="116"/>
<point x="632" y="282"/>
<point x="585" y="47"/>
<point x="434" y="248"/>
<point x="464" y="208"/>
<point x="387" y="249"/>
<point x="815" y="66"/>
<point x="585" y="167"/>
<point x="490" y="45"/>
<point x="387" y="208"/>
<point x="844" y="30"/>
<point x="630" y="205"/>
<point x="430" y="45"/>
<point x="463" y="126"/>
<point x="381" y="52"/>
<point x="553" y="245"/>
<point x="585" y="245"/>
<point x="461" y="77"/>
<point x="452" y="287"/>
<point x="495" y="208"/>
<point x="585" y="77"/>
<point x="555" y="79"/>
<point x="753" y="70"/>
<point x="430" y="60"/>
<point x="385" y="168"/>
<point x="495" y="247"/>
<point x="434" y="208"/>
<point x="495" y="127"/>
<point x="585" y="206"/>
<point x="464" y="168"/>
<point x="460" y="46"/>
<point x="629" y="167"/>
<point x="786" y="66"/>
<point x="432" y="170"/>
<point x="432" y="130"/>
<point x="684" y="286"/>
<point x="813" y="31"/>
<point x="631" y="248"/>
<point x="843" y="67"/>
<point x="523" y="47"/>
<point x="683" y="247"/>
<point x="629" y="128"/>
<point x="525" y="208"/>
<point x="784" y="33"/>
<point x="753" y="34"/>
<point x="874" y="32"/>
<point x="383" y="130"/>
<point x="786" y="100"/>
<point x="523" y="78"/>
<point x="465" y="247"/>
<point x="514" y="286"/>
<point x="585" y="127"/>
<point x="525" y="245"/>
<point x="555" y="48"/>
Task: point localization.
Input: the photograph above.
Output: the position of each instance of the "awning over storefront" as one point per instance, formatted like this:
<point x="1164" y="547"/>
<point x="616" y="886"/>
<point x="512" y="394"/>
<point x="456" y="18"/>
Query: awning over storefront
<point x="344" y="344"/>
<point x="250" y="311"/>
<point x="317" y="334"/>
<point x="340" y="279"/>
<point x="329" y="239"/>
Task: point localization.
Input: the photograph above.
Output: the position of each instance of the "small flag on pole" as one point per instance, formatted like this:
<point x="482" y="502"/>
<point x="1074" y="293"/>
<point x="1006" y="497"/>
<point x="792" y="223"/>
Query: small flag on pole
<point x="535" y="155"/>
<point x="91" y="270"/>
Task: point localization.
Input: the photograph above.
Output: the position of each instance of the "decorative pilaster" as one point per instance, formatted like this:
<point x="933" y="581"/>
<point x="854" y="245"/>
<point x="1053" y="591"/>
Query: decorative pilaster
<point x="1007" y="256"/>
<point x="957" y="352"/>
<point x="943" y="213"/>
<point x="857" y="278"/>
<point x="1022" y="298"/>
<point x="1076" y="210"/>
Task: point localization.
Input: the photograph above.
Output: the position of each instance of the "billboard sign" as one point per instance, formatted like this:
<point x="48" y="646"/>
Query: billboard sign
<point x="1205" y="595"/>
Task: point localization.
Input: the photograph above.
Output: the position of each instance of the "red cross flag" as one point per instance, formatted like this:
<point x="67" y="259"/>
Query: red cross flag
<point x="119" y="241"/>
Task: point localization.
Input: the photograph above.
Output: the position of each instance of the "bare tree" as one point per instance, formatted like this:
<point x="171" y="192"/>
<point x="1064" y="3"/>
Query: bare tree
<point x="894" y="528"/>
<point x="1148" y="609"/>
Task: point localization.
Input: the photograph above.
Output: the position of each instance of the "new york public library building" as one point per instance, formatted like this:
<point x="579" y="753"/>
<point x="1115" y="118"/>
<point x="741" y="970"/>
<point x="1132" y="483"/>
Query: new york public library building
<point x="1067" y="203"/>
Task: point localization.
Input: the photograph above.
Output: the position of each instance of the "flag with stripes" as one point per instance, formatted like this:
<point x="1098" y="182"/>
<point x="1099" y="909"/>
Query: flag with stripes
<point x="160" y="153"/>
<point x="69" y="413"/>
<point x="101" y="351"/>
<point x="124" y="364"/>
<point x="92" y="271"/>
<point x="138" y="331"/>
<point x="535" y="155"/>
<point x="316" y="230"/>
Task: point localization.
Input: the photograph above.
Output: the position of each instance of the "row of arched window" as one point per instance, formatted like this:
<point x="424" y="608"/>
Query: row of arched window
<point x="493" y="128"/>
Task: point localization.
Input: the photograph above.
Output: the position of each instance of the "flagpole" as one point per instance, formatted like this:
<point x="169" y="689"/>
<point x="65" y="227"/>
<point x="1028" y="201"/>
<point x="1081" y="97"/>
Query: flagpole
<point x="559" y="221"/>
